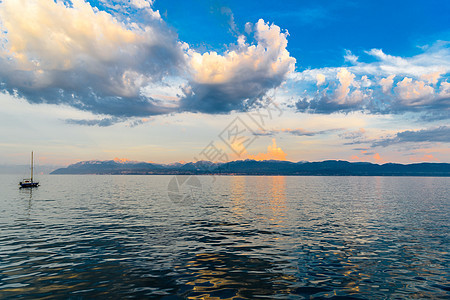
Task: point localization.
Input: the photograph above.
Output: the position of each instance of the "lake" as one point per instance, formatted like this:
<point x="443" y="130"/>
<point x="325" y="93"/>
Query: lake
<point x="225" y="237"/>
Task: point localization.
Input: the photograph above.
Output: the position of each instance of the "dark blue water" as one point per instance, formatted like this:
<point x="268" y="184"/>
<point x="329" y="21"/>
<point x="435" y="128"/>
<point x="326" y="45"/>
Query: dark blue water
<point x="235" y="238"/>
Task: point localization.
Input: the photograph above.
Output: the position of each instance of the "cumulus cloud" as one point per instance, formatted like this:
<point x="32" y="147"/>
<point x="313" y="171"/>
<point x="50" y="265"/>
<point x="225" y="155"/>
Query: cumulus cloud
<point x="445" y="90"/>
<point x="391" y="84"/>
<point x="77" y="55"/>
<point x="342" y="93"/>
<point x="432" y="77"/>
<point x="320" y="79"/>
<point x="345" y="97"/>
<point x="273" y="153"/>
<point x="72" y="53"/>
<point x="119" y="63"/>
<point x="224" y="82"/>
<point x="413" y="92"/>
<point x="365" y="81"/>
<point x="387" y="83"/>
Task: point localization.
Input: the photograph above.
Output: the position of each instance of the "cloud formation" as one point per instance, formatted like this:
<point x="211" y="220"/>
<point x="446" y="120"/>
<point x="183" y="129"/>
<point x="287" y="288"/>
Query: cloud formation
<point x="273" y="153"/>
<point x="72" y="53"/>
<point x="344" y="94"/>
<point x="230" y="81"/>
<point x="77" y="55"/>
<point x="101" y="122"/>
<point x="120" y="60"/>
<point x="424" y="158"/>
<point x="295" y="131"/>
<point x="413" y="93"/>
<point x="367" y="156"/>
<point x="434" y="135"/>
<point x="355" y="137"/>
<point x="391" y="84"/>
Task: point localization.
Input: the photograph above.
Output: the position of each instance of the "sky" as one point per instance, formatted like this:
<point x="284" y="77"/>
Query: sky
<point x="178" y="81"/>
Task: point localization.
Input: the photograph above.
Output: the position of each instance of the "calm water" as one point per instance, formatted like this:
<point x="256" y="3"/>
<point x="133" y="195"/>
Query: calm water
<point x="237" y="238"/>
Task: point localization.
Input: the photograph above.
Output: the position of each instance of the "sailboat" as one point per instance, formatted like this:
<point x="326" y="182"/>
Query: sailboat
<point x="29" y="183"/>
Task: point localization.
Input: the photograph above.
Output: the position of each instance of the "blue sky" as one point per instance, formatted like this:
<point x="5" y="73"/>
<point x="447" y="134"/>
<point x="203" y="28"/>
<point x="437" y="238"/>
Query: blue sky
<point x="320" y="31"/>
<point x="162" y="80"/>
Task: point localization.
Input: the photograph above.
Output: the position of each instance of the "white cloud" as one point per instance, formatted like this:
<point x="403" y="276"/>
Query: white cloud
<point x="105" y="63"/>
<point x="436" y="60"/>
<point x="268" y="56"/>
<point x="365" y="81"/>
<point x="413" y="92"/>
<point x="342" y="93"/>
<point x="246" y="72"/>
<point x="75" y="54"/>
<point x="389" y="59"/>
<point x="346" y="80"/>
<point x="418" y="81"/>
<point x="350" y="57"/>
<point x="432" y="77"/>
<point x="142" y="3"/>
<point x="120" y="8"/>
<point x="81" y="56"/>
<point x="445" y="89"/>
<point x="248" y="27"/>
<point x="44" y="35"/>
<point x="387" y="83"/>
<point x="320" y="79"/>
<point x="169" y="90"/>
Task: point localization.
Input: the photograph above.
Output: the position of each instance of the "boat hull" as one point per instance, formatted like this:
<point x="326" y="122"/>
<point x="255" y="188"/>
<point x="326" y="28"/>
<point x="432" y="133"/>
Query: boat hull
<point x="29" y="184"/>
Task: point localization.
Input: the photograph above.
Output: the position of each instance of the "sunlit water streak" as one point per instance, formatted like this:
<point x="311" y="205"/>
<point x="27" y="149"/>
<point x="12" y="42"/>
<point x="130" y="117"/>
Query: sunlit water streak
<point x="242" y="237"/>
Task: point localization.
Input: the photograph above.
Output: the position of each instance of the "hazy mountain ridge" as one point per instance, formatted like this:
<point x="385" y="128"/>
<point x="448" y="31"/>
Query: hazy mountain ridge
<point x="253" y="167"/>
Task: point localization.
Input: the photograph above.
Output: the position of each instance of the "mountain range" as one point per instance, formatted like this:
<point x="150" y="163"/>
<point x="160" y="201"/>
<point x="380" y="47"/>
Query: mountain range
<point x="253" y="167"/>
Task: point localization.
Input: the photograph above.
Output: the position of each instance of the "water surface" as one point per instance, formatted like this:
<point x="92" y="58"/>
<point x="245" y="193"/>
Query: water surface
<point x="238" y="237"/>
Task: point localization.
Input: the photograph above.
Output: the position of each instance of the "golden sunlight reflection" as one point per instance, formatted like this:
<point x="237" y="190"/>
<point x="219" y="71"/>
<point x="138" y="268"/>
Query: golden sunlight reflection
<point x="270" y="209"/>
<point x="278" y="198"/>
<point x="238" y="194"/>
<point x="213" y="272"/>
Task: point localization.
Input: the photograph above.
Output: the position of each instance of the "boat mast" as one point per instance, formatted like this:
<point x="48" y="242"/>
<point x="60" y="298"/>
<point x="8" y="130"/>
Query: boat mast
<point x="31" y="166"/>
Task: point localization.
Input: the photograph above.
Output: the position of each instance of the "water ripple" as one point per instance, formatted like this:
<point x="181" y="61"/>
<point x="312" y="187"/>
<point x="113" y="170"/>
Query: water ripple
<point x="244" y="238"/>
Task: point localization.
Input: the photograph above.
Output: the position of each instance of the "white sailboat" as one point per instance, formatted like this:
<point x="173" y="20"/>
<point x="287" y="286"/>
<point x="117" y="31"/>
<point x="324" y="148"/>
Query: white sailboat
<point x="29" y="183"/>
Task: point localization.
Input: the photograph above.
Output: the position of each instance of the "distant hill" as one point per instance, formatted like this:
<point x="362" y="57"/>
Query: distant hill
<point x="253" y="167"/>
